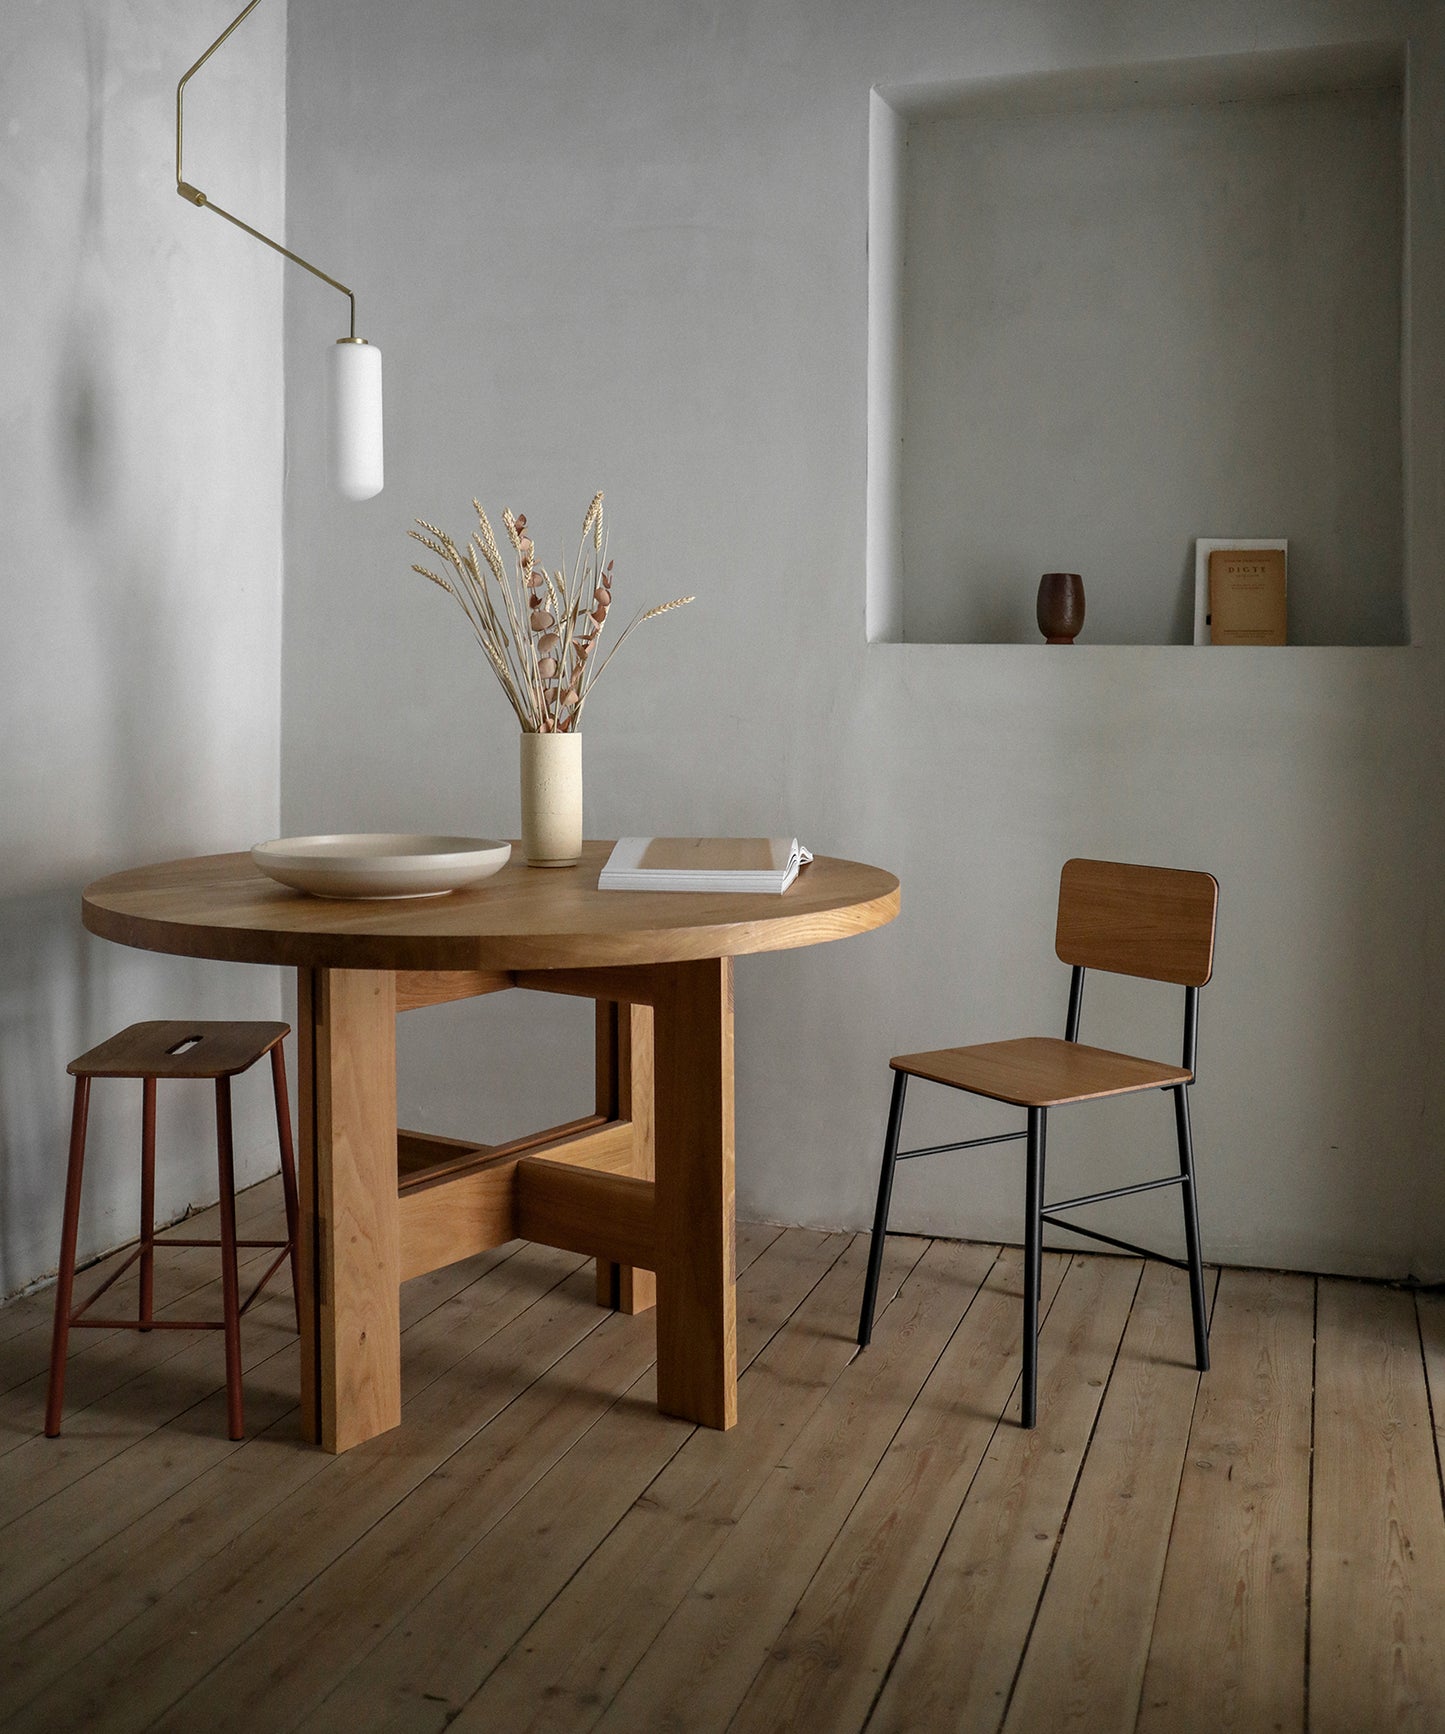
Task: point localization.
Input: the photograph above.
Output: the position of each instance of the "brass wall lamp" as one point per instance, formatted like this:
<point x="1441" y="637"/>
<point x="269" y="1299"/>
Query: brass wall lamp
<point x="355" y="436"/>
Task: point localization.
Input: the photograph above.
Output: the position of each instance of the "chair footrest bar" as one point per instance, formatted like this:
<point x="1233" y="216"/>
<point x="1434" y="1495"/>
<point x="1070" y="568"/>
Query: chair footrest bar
<point x="168" y="1241"/>
<point x="271" y="1270"/>
<point x="966" y="1144"/>
<point x="78" y="1319"/>
<point x="1116" y="1192"/>
<point x="114" y="1277"/>
<point x="1123" y="1245"/>
<point x="147" y="1324"/>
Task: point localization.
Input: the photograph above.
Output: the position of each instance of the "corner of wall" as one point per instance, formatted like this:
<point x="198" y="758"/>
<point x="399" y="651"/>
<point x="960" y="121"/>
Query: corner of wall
<point x="887" y="132"/>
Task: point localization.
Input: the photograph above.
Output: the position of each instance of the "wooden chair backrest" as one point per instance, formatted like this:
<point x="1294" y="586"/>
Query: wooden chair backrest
<point x="1155" y="922"/>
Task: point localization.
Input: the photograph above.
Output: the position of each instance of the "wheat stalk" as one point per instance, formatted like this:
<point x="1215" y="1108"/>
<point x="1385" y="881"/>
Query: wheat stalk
<point x="662" y="608"/>
<point x="541" y="631"/>
<point x="637" y="620"/>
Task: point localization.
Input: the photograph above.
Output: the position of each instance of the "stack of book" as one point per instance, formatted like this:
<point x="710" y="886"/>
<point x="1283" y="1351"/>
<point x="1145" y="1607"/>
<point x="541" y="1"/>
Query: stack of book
<point x="715" y="864"/>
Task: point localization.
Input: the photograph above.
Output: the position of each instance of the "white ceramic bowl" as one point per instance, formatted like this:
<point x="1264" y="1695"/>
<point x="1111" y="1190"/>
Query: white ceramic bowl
<point x="380" y="863"/>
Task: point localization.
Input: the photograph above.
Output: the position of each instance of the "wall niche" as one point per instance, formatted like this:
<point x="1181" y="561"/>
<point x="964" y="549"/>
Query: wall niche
<point x="1116" y="309"/>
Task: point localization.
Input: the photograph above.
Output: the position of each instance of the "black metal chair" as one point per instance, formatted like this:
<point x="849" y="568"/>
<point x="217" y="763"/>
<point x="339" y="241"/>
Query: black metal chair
<point x="1156" y="923"/>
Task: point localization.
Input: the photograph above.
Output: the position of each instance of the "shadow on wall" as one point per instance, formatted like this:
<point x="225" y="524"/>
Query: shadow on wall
<point x="111" y="442"/>
<point x="137" y="723"/>
<point x="85" y="431"/>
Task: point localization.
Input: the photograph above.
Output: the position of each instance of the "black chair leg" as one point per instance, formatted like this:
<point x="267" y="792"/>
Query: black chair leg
<point x="1033" y="1259"/>
<point x="1043" y="1187"/>
<point x="1191" y="1227"/>
<point x="880" y="1215"/>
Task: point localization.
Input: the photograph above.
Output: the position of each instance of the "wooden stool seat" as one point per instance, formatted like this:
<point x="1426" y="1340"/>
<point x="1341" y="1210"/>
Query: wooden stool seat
<point x="171" y="1049"/>
<point x="216" y="1052"/>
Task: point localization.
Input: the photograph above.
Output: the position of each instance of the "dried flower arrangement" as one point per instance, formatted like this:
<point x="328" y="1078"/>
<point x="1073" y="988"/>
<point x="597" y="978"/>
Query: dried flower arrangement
<point x="542" y="640"/>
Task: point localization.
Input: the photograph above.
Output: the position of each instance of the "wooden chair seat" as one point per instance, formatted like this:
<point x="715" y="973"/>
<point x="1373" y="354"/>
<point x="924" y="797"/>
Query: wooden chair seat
<point x="172" y="1049"/>
<point x="1040" y="1071"/>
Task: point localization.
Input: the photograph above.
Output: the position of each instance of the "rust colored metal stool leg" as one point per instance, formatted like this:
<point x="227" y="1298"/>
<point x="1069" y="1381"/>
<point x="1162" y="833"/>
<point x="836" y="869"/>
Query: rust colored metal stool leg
<point x="65" y="1281"/>
<point x="148" y="1203"/>
<point x="288" y="1165"/>
<point x="230" y="1284"/>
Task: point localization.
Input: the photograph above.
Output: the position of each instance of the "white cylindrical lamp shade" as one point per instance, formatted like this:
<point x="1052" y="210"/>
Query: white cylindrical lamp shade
<point x="355" y="419"/>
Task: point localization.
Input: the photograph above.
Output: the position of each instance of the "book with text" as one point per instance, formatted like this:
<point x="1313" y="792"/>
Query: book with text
<point x="717" y="864"/>
<point x="1247" y="596"/>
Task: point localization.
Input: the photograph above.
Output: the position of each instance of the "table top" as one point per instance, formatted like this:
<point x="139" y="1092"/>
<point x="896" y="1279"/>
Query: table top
<point x="222" y="906"/>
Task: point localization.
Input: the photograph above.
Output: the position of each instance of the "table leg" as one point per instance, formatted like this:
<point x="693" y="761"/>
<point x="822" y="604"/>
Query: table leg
<point x="624" y="1092"/>
<point x="696" y="1304"/>
<point x="349" y="1247"/>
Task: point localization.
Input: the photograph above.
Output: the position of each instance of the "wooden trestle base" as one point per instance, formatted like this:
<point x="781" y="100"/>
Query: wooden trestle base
<point x="644" y="1185"/>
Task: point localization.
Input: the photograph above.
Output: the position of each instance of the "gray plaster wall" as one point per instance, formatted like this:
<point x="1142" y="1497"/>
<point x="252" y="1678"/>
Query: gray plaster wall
<point x="1123" y="328"/>
<point x="141" y="445"/>
<point x="625" y="245"/>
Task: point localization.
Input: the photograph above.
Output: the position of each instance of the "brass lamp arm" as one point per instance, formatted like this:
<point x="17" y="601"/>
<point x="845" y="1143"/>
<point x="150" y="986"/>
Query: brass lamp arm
<point x="196" y="197"/>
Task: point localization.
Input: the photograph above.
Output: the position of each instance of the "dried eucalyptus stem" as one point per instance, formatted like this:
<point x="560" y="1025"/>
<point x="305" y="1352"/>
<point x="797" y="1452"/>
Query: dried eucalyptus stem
<point x="540" y="630"/>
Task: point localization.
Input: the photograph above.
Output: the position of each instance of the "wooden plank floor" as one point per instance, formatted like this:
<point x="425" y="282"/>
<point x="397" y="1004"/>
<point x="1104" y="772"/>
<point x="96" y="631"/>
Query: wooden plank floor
<point x="875" y="1545"/>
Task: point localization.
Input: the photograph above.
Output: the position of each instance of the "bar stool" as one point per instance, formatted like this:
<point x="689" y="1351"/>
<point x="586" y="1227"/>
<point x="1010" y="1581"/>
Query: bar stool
<point x="148" y="1051"/>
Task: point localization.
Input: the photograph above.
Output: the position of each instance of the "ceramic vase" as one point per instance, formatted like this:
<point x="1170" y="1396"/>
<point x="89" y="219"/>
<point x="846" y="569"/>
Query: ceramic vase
<point x="1060" y="610"/>
<point x="552" y="799"/>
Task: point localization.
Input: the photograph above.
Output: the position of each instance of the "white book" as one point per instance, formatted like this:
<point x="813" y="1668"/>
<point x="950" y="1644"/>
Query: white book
<point x="717" y="864"/>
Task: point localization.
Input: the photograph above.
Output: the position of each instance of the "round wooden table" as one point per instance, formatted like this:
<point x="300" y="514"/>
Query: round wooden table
<point x="645" y="1184"/>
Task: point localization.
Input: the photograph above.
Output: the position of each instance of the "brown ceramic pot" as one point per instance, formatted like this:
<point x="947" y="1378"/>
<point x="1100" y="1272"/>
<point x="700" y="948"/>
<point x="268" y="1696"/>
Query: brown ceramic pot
<point x="1061" y="606"/>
